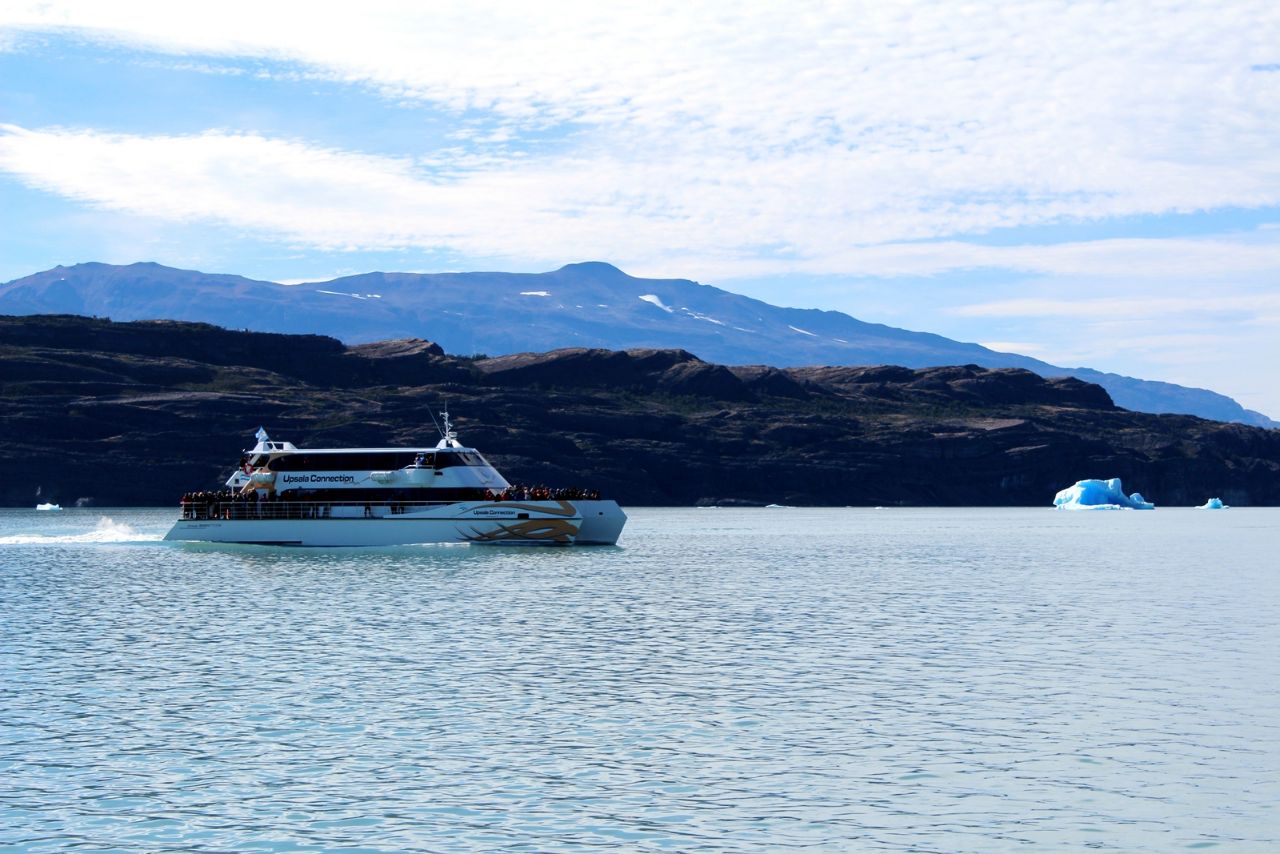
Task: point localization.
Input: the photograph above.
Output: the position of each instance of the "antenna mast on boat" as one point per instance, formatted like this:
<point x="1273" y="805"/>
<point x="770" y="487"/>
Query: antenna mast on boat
<point x="448" y="438"/>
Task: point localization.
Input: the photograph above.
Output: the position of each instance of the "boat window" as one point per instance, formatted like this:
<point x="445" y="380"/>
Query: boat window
<point x="371" y="460"/>
<point x="346" y="461"/>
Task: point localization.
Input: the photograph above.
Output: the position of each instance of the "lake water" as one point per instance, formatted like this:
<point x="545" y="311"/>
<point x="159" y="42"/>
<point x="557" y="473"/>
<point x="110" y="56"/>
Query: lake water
<point x="726" y="680"/>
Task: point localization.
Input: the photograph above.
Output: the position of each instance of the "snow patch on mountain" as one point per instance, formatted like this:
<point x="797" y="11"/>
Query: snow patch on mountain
<point x="697" y="316"/>
<point x="802" y="331"/>
<point x="535" y="293"/>
<point x="345" y="294"/>
<point x="653" y="299"/>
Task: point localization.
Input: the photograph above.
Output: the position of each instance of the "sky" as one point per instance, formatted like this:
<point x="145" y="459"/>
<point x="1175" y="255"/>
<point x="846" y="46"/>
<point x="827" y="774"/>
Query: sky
<point x="1089" y="183"/>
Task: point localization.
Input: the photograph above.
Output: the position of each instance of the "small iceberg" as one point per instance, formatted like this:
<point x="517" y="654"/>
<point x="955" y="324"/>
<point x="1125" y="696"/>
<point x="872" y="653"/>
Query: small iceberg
<point x="47" y="506"/>
<point x="1100" y="495"/>
<point x="1214" y="504"/>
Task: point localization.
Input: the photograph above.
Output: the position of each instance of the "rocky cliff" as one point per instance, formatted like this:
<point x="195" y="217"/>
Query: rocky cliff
<point x="137" y="413"/>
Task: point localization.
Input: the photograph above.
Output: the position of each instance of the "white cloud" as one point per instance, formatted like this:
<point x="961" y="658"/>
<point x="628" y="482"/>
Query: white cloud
<point x="702" y="138"/>
<point x="1128" y="258"/>
<point x="319" y="197"/>
<point x="1144" y="308"/>
<point x="1221" y="336"/>
<point x="334" y="199"/>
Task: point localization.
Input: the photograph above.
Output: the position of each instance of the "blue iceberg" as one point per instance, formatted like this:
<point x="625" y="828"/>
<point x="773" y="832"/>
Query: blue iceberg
<point x="1214" y="504"/>
<point x="1099" y="495"/>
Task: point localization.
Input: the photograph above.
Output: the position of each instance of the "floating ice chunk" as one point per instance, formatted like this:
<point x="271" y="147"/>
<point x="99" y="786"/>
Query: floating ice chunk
<point x="536" y="294"/>
<point x="1099" y="495"/>
<point x="1214" y="504"/>
<point x="653" y="299"/>
<point x="48" y="506"/>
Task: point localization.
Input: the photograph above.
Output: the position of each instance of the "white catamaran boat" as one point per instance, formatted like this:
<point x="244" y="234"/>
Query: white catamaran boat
<point x="284" y="495"/>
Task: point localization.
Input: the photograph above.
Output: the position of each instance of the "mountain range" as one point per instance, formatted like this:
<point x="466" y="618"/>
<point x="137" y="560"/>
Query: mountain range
<point x="593" y="305"/>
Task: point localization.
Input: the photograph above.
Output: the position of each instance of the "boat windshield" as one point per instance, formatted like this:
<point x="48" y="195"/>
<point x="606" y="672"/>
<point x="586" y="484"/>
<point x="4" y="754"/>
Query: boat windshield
<point x="445" y="459"/>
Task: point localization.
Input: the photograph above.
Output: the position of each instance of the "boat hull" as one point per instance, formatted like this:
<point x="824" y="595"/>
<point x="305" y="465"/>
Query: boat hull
<point x="486" y="522"/>
<point x="602" y="523"/>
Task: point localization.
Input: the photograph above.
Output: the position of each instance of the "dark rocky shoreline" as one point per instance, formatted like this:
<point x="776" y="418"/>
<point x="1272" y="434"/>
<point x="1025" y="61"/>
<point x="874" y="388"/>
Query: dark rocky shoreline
<point x="136" y="414"/>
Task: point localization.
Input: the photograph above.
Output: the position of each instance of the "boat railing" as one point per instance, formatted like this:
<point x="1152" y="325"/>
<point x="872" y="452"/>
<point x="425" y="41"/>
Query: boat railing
<point x="212" y="509"/>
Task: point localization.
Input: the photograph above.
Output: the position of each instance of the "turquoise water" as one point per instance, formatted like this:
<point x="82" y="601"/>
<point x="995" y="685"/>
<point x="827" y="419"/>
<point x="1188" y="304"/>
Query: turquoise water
<point x="736" y="680"/>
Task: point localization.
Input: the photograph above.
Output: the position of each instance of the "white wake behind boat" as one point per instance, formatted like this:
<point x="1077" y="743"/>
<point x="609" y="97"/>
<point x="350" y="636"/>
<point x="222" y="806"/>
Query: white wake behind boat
<point x="285" y="495"/>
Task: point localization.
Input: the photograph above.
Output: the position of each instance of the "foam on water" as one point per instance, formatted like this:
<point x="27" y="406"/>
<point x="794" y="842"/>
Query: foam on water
<point x="107" y="530"/>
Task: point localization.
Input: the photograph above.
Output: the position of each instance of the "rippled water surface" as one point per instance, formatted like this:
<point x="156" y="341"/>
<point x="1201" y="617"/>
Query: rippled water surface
<point x="922" y="680"/>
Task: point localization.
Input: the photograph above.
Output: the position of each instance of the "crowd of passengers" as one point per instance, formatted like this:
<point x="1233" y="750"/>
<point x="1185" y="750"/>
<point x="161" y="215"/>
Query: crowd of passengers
<point x="224" y="503"/>
<point x="230" y="504"/>
<point x="520" y="492"/>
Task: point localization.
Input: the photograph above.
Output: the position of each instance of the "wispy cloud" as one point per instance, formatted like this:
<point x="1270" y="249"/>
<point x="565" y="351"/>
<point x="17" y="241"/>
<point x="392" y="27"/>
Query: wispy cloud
<point x="1121" y="307"/>
<point x="719" y="139"/>
<point x="1127" y="258"/>
<point x="1221" y="336"/>
<point x="553" y="210"/>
